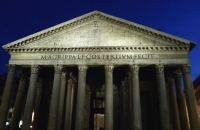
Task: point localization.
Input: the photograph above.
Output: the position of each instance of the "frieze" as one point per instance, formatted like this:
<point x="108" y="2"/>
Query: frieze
<point x="96" y="56"/>
<point x="101" y="49"/>
<point x="98" y="16"/>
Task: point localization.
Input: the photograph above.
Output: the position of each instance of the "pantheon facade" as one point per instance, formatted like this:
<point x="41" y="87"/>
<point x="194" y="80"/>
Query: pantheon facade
<point x="100" y="72"/>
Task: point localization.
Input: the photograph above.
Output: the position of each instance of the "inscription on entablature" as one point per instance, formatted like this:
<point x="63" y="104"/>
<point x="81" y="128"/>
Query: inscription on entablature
<point x="97" y="56"/>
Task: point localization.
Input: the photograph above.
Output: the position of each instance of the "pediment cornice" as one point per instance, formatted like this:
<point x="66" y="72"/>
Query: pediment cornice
<point x="96" y="15"/>
<point x="101" y="49"/>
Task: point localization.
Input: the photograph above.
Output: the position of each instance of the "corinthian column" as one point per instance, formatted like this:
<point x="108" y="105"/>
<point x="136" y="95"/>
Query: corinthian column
<point x="53" y="110"/>
<point x="69" y="102"/>
<point x="190" y="98"/>
<point x="162" y="96"/>
<point x="184" y="122"/>
<point x="129" y="101"/>
<point x="61" y="100"/>
<point x="108" y="97"/>
<point x="173" y="104"/>
<point x="37" y="105"/>
<point x="30" y="100"/>
<point x="19" y="101"/>
<point x="79" y="121"/>
<point x="68" y="111"/>
<point x="137" y="120"/>
<point x="7" y="96"/>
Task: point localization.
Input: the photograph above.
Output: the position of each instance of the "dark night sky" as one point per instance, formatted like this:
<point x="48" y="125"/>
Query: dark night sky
<point x="21" y="18"/>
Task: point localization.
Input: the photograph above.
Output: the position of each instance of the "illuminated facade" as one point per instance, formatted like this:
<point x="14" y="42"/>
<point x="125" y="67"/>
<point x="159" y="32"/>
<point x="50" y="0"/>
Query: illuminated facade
<point x="98" y="64"/>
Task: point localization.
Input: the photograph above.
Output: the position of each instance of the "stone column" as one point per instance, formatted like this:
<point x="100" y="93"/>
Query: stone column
<point x="108" y="98"/>
<point x="37" y="105"/>
<point x="68" y="112"/>
<point x="162" y="96"/>
<point x="79" y="121"/>
<point x="123" y="106"/>
<point x="190" y="98"/>
<point x="18" y="102"/>
<point x="184" y="122"/>
<point x="53" y="110"/>
<point x="173" y="104"/>
<point x="30" y="100"/>
<point x="129" y="101"/>
<point x="137" y="119"/>
<point x="61" y="101"/>
<point x="6" y="98"/>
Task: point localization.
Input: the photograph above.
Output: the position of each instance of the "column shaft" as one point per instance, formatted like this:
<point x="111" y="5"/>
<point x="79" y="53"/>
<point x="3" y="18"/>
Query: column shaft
<point x="137" y="119"/>
<point x="68" y="106"/>
<point x="173" y="105"/>
<point x="130" y="101"/>
<point x="108" y="98"/>
<point x="37" y="105"/>
<point x="30" y="100"/>
<point x="123" y="106"/>
<point x="53" y="111"/>
<point x="162" y="96"/>
<point x="18" y="102"/>
<point x="190" y="98"/>
<point x="79" y="121"/>
<point x="182" y="108"/>
<point x="6" y="99"/>
<point x="61" y="101"/>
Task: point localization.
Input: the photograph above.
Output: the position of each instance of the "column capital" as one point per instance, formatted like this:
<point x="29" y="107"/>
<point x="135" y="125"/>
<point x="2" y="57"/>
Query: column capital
<point x="134" y="69"/>
<point x="11" y="68"/>
<point x="35" y="69"/>
<point x="22" y="75"/>
<point x="108" y="68"/>
<point x="58" y="69"/>
<point x="185" y="68"/>
<point x="159" y="69"/>
<point x="64" y="74"/>
<point x="82" y="69"/>
<point x="177" y="73"/>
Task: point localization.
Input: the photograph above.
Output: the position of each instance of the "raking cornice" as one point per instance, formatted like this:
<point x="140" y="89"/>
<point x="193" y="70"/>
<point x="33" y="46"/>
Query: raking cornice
<point x="96" y="15"/>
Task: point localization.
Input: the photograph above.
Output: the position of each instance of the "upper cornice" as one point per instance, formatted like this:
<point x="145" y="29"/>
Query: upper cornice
<point x="96" y="15"/>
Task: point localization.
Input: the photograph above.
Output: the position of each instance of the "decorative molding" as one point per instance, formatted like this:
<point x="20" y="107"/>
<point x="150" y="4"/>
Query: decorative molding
<point x="35" y="69"/>
<point x="99" y="16"/>
<point x="134" y="69"/>
<point x="185" y="68"/>
<point x="100" y="49"/>
<point x="82" y="69"/>
<point x="159" y="69"/>
<point x="109" y="68"/>
<point x="11" y="68"/>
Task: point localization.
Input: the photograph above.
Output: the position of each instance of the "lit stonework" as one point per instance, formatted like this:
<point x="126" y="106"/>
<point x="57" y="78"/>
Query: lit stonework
<point x="97" y="50"/>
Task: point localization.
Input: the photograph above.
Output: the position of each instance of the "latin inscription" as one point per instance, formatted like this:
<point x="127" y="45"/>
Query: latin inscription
<point x="97" y="56"/>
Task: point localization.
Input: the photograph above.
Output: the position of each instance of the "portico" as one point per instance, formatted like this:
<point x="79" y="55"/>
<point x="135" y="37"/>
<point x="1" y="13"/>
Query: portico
<point x="90" y="57"/>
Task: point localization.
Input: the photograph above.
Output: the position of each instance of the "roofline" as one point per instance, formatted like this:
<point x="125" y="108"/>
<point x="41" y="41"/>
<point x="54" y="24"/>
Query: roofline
<point x="99" y="15"/>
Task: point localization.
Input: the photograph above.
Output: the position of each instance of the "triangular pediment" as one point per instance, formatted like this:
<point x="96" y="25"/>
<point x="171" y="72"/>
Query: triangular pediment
<point x="97" y="29"/>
